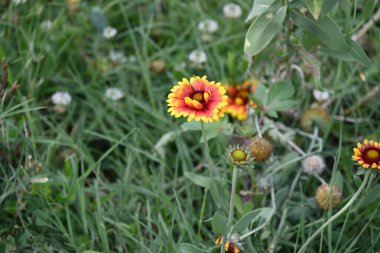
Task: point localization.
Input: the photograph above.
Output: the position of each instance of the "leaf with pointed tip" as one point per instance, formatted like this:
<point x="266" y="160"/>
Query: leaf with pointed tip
<point x="262" y="31"/>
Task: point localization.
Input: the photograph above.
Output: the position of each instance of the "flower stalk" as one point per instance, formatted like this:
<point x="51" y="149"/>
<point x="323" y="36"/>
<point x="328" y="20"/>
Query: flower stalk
<point x="232" y="199"/>
<point x="328" y="222"/>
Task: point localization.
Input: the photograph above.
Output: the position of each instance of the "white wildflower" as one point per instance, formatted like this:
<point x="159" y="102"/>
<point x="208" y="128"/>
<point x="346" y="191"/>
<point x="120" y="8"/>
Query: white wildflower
<point x="109" y="32"/>
<point x="46" y="25"/>
<point x="232" y="10"/>
<point x="61" y="98"/>
<point x="208" y="26"/>
<point x="197" y="56"/>
<point x="132" y="59"/>
<point x="114" y="94"/>
<point x="314" y="164"/>
<point x="117" y="56"/>
<point x="321" y="96"/>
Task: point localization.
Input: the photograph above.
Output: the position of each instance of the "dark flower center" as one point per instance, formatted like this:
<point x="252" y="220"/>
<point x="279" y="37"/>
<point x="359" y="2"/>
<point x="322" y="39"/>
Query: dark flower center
<point x="371" y="155"/>
<point x="231" y="248"/>
<point x="198" y="96"/>
<point x="241" y="97"/>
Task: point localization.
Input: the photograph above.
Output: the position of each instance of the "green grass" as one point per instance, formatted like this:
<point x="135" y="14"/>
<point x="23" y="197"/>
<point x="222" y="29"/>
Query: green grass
<point x="109" y="188"/>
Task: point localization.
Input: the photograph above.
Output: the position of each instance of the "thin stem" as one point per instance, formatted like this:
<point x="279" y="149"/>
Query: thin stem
<point x="267" y="219"/>
<point x="319" y="178"/>
<point x="203" y="208"/>
<point x="207" y="151"/>
<point x="258" y="126"/>
<point x="232" y="199"/>
<point x="349" y="203"/>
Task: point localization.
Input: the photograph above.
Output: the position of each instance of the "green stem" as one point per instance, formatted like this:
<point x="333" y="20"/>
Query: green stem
<point x="203" y="208"/>
<point x="207" y="151"/>
<point x="341" y="211"/>
<point x="232" y="199"/>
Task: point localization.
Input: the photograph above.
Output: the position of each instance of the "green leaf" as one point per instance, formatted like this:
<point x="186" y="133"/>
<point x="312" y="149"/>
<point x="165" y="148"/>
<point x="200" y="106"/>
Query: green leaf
<point x="309" y="41"/>
<point x="262" y="31"/>
<point x="245" y="221"/>
<point x="258" y="8"/>
<point x="188" y="248"/>
<point x="314" y="7"/>
<point x="219" y="224"/>
<point x="91" y="251"/>
<point x="355" y="53"/>
<point x="280" y="90"/>
<point x="281" y="105"/>
<point x="260" y="96"/>
<point x="199" y="180"/>
<point x="217" y="195"/>
<point x="338" y="180"/>
<point x="368" y="9"/>
<point x="371" y="197"/>
<point x="192" y="125"/>
<point x="325" y="29"/>
<point x="358" y="53"/>
<point x="327" y="6"/>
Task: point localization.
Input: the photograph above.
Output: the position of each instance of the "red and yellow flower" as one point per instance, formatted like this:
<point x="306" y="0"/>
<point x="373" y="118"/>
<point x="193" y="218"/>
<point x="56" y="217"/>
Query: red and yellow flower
<point x="238" y="99"/>
<point x="368" y="154"/>
<point x="229" y="247"/>
<point x="197" y="99"/>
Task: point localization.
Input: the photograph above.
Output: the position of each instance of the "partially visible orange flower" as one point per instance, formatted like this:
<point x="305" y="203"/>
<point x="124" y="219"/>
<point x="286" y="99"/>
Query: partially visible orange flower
<point x="230" y="247"/>
<point x="197" y="99"/>
<point x="218" y="240"/>
<point x="367" y="154"/>
<point x="238" y="99"/>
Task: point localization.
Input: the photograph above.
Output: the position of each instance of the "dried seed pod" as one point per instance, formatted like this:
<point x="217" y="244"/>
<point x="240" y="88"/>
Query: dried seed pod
<point x="323" y="193"/>
<point x="261" y="149"/>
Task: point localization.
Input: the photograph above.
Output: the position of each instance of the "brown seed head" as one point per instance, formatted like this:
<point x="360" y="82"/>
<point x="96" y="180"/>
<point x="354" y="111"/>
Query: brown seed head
<point x="322" y="196"/>
<point x="261" y="149"/>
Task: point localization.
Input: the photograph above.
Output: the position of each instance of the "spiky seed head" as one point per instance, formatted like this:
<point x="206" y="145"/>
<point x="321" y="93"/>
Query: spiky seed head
<point x="261" y="149"/>
<point x="322" y="196"/>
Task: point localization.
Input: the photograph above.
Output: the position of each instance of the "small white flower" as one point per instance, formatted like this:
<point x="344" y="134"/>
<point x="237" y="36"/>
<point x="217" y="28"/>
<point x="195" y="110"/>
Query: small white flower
<point x="46" y="25"/>
<point x="61" y="98"/>
<point x="232" y="10"/>
<point x="197" y="56"/>
<point x="208" y="26"/>
<point x="39" y="180"/>
<point x="109" y="32"/>
<point x="132" y="59"/>
<point x="17" y="2"/>
<point x="114" y="94"/>
<point x="314" y="165"/>
<point x="117" y="56"/>
<point x="180" y="66"/>
<point x="321" y="96"/>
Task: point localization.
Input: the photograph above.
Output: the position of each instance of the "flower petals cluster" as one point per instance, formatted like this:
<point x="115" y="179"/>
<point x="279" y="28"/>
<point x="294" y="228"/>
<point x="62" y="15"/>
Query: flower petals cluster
<point x="197" y="99"/>
<point x="367" y="154"/>
<point x="232" y="10"/>
<point x="238" y="99"/>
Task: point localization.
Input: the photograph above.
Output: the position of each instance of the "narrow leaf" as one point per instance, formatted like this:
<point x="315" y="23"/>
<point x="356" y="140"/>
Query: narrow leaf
<point x="219" y="224"/>
<point x="258" y="8"/>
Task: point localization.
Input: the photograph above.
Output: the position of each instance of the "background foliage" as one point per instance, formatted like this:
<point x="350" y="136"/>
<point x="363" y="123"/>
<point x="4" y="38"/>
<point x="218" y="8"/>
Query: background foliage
<point x="123" y="176"/>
